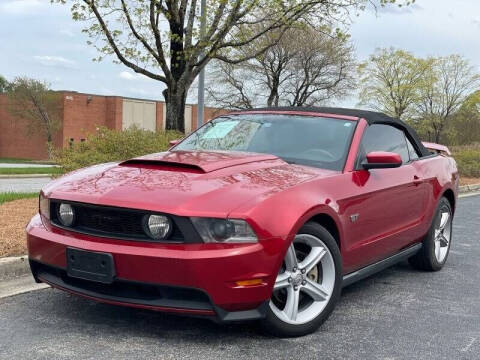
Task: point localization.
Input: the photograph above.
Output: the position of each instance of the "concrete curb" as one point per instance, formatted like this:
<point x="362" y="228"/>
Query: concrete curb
<point x="15" y="266"/>
<point x="25" y="176"/>
<point x="469" y="188"/>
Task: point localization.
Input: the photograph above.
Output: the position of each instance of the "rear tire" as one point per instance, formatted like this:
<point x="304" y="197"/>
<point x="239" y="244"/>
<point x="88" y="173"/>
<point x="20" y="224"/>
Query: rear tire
<point x="437" y="242"/>
<point x="311" y="274"/>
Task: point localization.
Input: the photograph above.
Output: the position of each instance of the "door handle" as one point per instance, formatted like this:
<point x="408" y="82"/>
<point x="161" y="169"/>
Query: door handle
<point x="416" y="180"/>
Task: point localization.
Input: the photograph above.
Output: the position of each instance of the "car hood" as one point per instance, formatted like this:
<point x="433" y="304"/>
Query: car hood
<point x="183" y="183"/>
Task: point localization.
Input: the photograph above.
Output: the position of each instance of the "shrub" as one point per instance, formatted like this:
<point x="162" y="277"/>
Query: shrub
<point x="468" y="159"/>
<point x="109" y="145"/>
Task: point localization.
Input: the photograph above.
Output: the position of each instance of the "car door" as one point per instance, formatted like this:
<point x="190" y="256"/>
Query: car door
<point x="389" y="204"/>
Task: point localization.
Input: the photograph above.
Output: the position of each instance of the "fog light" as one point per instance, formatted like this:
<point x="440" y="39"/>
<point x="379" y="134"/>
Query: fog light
<point x="158" y="227"/>
<point x="66" y="215"/>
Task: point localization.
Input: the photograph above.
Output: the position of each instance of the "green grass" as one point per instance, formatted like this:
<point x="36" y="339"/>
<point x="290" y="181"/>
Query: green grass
<point x="15" y="160"/>
<point x="32" y="170"/>
<point x="24" y="161"/>
<point x="10" y="196"/>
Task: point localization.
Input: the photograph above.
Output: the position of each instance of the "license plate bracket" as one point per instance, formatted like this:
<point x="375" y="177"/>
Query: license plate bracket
<point x="90" y="265"/>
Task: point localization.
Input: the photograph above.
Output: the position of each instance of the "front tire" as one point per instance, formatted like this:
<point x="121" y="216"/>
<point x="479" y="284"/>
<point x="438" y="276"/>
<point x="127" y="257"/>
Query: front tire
<point x="308" y="284"/>
<point x="436" y="245"/>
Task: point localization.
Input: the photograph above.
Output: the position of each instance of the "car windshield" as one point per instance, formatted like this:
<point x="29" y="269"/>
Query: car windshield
<point x="306" y="140"/>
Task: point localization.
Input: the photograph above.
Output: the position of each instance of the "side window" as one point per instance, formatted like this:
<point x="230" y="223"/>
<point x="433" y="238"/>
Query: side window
<point x="379" y="137"/>
<point x="411" y="151"/>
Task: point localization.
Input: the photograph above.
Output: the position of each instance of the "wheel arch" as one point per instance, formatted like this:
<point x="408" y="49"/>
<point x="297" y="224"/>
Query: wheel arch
<point x="323" y="215"/>
<point x="328" y="223"/>
<point x="450" y="196"/>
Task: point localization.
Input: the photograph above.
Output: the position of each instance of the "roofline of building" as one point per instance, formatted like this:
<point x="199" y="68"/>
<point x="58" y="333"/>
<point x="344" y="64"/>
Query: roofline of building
<point x="118" y="96"/>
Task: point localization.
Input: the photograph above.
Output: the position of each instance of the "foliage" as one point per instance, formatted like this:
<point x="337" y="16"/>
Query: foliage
<point x="110" y="145"/>
<point x="4" y="84"/>
<point x="468" y="160"/>
<point x="452" y="80"/>
<point x="428" y="93"/>
<point x="163" y="40"/>
<point x="306" y="66"/>
<point x="11" y="196"/>
<point x="30" y="170"/>
<point x="464" y="126"/>
<point x="390" y="81"/>
<point x="33" y="101"/>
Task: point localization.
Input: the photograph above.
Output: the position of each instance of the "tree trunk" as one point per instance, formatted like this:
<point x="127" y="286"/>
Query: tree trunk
<point x="175" y="100"/>
<point x="273" y="97"/>
<point x="438" y="132"/>
<point x="50" y="148"/>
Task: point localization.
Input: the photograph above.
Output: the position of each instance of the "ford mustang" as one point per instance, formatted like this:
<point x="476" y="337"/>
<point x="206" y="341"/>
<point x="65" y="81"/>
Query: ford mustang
<point x="257" y="215"/>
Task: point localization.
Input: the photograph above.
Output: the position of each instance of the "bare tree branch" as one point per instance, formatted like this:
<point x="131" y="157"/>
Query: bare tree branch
<point x="305" y="67"/>
<point x="115" y="48"/>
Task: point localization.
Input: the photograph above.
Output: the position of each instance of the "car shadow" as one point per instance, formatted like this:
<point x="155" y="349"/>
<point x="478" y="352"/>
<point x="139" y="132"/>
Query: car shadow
<point x="82" y="314"/>
<point x="389" y="276"/>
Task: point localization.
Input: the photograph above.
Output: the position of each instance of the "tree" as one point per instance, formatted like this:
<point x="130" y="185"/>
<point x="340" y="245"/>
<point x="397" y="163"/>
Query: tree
<point x="390" y="81"/>
<point x="33" y="101"/>
<point x="3" y="84"/>
<point x="464" y="126"/>
<point x="305" y="67"/>
<point x="439" y="99"/>
<point x="324" y="69"/>
<point x="161" y="39"/>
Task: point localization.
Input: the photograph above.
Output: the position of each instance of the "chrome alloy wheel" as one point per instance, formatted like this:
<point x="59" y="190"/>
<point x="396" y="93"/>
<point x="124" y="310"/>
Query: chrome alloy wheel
<point x="305" y="282"/>
<point x="443" y="234"/>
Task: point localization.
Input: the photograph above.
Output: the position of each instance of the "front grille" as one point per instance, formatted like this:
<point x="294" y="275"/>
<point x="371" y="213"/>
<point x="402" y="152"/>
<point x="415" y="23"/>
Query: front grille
<point x="105" y="220"/>
<point x="120" y="223"/>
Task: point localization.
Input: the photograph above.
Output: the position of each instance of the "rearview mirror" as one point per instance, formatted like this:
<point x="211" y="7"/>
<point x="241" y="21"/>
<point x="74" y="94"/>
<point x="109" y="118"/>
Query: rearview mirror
<point x="382" y="160"/>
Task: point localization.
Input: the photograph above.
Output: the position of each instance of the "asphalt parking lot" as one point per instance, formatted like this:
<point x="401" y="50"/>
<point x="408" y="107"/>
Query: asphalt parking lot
<point x="397" y="314"/>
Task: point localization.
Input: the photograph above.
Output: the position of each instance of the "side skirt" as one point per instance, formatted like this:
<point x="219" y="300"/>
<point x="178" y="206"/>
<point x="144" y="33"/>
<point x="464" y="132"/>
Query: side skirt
<point x="381" y="265"/>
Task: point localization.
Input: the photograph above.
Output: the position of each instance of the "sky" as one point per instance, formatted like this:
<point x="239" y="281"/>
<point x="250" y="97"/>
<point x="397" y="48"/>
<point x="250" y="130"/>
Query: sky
<point x="40" y="40"/>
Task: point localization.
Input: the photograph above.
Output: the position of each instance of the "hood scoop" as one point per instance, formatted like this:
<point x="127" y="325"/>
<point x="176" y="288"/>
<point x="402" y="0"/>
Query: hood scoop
<point x="162" y="165"/>
<point x="196" y="161"/>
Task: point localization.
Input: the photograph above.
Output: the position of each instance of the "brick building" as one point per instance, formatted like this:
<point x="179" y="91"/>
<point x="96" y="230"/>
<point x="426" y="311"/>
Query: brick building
<point x="81" y="114"/>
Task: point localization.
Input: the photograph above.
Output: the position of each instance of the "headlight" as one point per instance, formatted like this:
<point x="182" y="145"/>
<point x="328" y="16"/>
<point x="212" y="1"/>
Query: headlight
<point x="66" y="214"/>
<point x="158" y="227"/>
<point x="44" y="206"/>
<point x="224" y="230"/>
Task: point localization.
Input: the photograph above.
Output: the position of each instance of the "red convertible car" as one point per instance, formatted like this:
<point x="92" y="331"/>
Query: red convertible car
<point x="263" y="214"/>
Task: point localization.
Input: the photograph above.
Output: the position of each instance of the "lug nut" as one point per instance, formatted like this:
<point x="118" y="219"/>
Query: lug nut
<point x="304" y="283"/>
<point x="289" y="279"/>
<point x="294" y="268"/>
<point x="295" y="288"/>
<point x="303" y="271"/>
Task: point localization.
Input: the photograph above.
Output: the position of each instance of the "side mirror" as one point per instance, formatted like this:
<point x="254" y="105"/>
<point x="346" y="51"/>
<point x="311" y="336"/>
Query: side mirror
<point x="172" y="143"/>
<point x="382" y="160"/>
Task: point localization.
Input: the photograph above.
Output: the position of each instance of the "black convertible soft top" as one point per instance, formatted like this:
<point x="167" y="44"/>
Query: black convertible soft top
<point x="371" y="117"/>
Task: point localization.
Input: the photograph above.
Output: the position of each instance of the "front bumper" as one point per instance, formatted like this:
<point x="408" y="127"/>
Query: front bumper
<point x="195" y="279"/>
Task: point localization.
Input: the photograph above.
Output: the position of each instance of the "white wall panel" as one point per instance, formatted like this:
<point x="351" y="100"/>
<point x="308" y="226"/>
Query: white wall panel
<point x="140" y="113"/>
